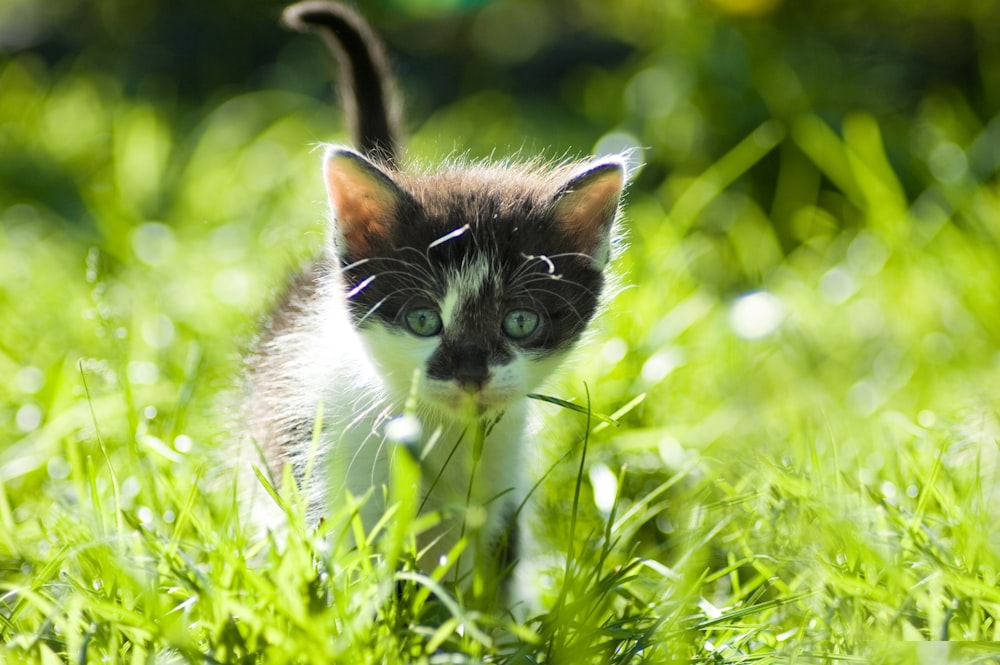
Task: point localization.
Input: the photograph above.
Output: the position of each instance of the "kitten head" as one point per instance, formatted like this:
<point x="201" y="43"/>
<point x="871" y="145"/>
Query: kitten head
<point x="479" y="277"/>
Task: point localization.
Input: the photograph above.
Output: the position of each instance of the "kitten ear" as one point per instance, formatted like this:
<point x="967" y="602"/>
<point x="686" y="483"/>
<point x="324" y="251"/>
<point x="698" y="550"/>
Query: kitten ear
<point x="365" y="201"/>
<point x="586" y="207"/>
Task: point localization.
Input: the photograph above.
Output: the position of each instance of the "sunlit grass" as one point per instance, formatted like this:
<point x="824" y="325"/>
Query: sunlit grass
<point x="800" y="463"/>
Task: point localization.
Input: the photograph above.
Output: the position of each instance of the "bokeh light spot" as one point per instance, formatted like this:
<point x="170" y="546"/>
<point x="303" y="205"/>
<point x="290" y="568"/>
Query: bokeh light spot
<point x="756" y="315"/>
<point x="405" y="429"/>
<point x="660" y="364"/>
<point x="154" y="243"/>
<point x="837" y="285"/>
<point x="233" y="287"/>
<point x="29" y="380"/>
<point x="947" y="162"/>
<point x="158" y="331"/>
<point x="28" y="418"/>
<point x="183" y="443"/>
<point x="605" y="486"/>
<point x="866" y="255"/>
<point x="143" y="373"/>
<point x="511" y="32"/>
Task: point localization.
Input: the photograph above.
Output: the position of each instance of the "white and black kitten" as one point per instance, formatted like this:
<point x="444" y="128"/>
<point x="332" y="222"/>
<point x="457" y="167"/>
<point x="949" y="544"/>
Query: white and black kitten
<point x="463" y="286"/>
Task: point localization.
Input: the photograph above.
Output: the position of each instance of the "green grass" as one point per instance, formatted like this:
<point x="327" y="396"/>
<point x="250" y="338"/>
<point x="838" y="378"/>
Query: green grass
<point x="805" y="475"/>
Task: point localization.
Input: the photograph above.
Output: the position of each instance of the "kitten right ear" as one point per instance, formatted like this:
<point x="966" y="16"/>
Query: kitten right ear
<point x="586" y="207"/>
<point x="365" y="201"/>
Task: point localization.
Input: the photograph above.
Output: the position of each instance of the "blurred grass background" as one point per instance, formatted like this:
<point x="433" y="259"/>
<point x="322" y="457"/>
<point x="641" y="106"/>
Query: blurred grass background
<point x="809" y="344"/>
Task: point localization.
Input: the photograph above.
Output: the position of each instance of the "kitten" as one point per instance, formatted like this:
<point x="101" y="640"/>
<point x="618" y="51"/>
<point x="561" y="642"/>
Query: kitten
<point x="477" y="279"/>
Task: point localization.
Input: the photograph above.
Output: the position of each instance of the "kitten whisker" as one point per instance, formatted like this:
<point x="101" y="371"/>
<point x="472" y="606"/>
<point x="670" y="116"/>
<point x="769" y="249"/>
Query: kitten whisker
<point x="361" y="416"/>
<point x="409" y="278"/>
<point x="352" y="266"/>
<point x="422" y="272"/>
<point x="572" y="306"/>
<point x="361" y="287"/>
<point x="580" y="255"/>
<point x="387" y="273"/>
<point x="372" y="310"/>
<point x="380" y="420"/>
<point x="524" y="270"/>
<point x="449" y="236"/>
<point x="547" y="278"/>
<point x="520" y="270"/>
<point x="544" y="259"/>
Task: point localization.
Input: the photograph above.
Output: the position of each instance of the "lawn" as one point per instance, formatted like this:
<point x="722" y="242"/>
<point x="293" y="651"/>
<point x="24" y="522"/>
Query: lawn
<point x="791" y="453"/>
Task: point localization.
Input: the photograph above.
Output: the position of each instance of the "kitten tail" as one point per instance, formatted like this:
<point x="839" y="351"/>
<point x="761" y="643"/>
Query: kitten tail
<point x="366" y="82"/>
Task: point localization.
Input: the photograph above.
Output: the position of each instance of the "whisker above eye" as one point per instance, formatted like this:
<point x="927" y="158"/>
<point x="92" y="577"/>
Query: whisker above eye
<point x="528" y="280"/>
<point x="572" y="306"/>
<point x="560" y="255"/>
<point x="449" y="236"/>
<point x="410" y="277"/>
<point x="544" y="259"/>
<point x="423" y="281"/>
<point x="361" y="286"/>
<point x="524" y="271"/>
<point x="420" y="268"/>
<point x="372" y="310"/>
<point x="352" y="266"/>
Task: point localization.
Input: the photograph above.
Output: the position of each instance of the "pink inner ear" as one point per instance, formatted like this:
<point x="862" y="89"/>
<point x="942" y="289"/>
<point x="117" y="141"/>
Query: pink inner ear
<point x="588" y="211"/>
<point x="363" y="206"/>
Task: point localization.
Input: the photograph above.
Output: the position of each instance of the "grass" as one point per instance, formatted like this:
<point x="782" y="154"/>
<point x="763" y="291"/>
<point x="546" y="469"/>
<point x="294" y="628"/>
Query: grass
<point x="801" y="465"/>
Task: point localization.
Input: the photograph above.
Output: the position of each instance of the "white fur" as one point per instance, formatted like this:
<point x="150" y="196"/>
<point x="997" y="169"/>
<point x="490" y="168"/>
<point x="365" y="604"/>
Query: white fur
<point x="462" y="285"/>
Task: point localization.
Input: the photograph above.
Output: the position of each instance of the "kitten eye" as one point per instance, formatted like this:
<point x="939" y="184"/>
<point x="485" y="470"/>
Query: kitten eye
<point x="519" y="323"/>
<point x="423" y="322"/>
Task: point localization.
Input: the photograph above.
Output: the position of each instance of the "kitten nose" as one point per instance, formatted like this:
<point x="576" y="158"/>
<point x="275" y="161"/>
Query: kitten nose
<point x="470" y="368"/>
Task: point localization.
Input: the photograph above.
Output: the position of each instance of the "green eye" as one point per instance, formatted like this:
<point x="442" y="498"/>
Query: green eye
<point x="520" y="323"/>
<point x="423" y="322"/>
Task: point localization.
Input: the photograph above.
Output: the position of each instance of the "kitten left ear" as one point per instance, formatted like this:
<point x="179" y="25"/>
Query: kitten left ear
<point x="586" y="207"/>
<point x="365" y="200"/>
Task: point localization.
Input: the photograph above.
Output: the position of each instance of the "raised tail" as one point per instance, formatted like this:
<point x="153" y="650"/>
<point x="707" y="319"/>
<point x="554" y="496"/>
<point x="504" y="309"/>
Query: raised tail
<point x="365" y="79"/>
